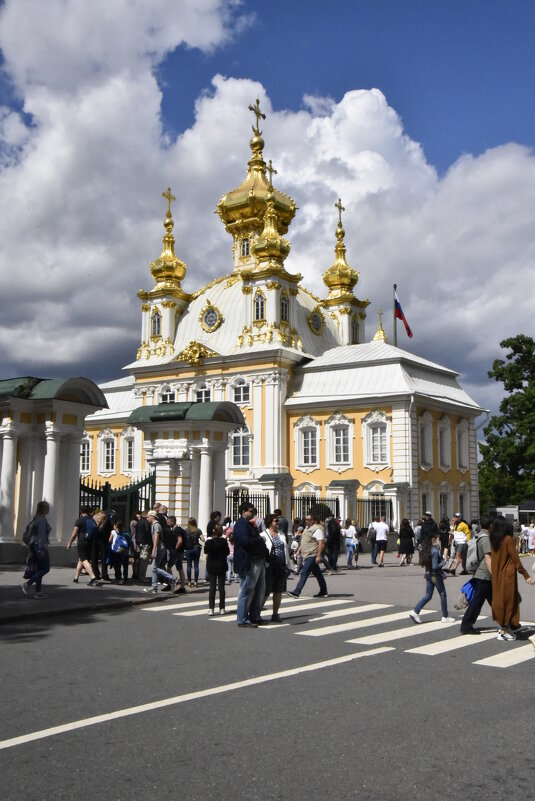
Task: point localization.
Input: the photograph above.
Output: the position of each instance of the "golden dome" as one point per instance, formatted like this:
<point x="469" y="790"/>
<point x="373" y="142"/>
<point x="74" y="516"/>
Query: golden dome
<point x="242" y="210"/>
<point x="380" y="336"/>
<point x="340" y="278"/>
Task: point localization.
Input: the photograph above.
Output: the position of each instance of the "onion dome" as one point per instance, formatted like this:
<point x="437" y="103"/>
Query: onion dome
<point x="167" y="270"/>
<point x="340" y="278"/>
<point x="270" y="245"/>
<point x="242" y="210"/>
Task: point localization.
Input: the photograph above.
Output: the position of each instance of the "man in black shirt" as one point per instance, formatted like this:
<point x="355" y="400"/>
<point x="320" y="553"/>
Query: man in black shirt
<point x="176" y="552"/>
<point x="144" y="543"/>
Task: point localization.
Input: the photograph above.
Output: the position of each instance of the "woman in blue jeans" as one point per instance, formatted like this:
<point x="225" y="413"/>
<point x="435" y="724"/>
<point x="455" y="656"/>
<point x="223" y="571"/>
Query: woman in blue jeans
<point x="41" y="532"/>
<point x="431" y="560"/>
<point x="193" y="551"/>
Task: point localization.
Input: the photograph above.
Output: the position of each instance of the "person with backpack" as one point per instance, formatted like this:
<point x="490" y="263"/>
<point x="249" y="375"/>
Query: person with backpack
<point x="159" y="557"/>
<point x="144" y="544"/>
<point x="461" y="535"/>
<point x="482" y="580"/>
<point x="216" y="550"/>
<point x="38" y="540"/>
<point x="332" y="530"/>
<point x="431" y="560"/>
<point x="120" y="542"/>
<point x="100" y="546"/>
<point x="85" y="530"/>
<point x="193" y="551"/>
<point x="178" y="542"/>
<point x="371" y="537"/>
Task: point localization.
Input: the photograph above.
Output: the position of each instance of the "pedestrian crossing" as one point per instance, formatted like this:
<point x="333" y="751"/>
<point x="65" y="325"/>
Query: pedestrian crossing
<point x="380" y="624"/>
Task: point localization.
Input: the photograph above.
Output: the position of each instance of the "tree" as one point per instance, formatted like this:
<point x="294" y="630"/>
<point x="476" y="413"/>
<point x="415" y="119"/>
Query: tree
<point x="507" y="470"/>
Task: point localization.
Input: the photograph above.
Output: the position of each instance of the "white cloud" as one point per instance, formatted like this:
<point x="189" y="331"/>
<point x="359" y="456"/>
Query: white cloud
<point x="81" y="213"/>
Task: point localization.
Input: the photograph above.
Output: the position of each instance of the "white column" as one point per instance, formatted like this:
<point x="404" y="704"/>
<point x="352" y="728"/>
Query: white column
<point x="26" y="500"/>
<point x="71" y="490"/>
<point x="195" y="478"/>
<point x="258" y="433"/>
<point x="219" y="481"/>
<point x="206" y="488"/>
<point x="51" y="473"/>
<point x="7" y="483"/>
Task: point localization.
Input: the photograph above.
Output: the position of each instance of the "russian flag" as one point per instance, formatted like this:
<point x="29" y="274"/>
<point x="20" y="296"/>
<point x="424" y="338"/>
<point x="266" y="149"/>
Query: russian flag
<point x="398" y="312"/>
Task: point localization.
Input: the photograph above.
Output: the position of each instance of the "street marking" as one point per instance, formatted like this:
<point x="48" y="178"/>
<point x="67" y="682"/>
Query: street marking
<point x="181" y="605"/>
<point x="303" y="607"/>
<point x="181" y="699"/>
<point x="233" y="604"/>
<point x="400" y="634"/>
<point x="355" y="610"/>
<point x="509" y="658"/>
<point x="357" y="624"/>
<point x="443" y="646"/>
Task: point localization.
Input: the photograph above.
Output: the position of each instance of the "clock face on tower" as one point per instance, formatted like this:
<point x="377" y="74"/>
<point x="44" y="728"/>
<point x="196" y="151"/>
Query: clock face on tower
<point x="316" y="322"/>
<point x="210" y="318"/>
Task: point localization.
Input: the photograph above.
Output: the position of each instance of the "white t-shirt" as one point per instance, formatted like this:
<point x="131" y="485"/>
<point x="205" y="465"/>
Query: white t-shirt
<point x="381" y="531"/>
<point x="350" y="532"/>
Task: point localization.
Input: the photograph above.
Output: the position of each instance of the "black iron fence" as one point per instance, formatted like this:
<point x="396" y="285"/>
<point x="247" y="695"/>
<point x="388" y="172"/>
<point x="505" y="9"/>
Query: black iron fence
<point x="302" y="505"/>
<point x="235" y="498"/>
<point x="124" y="501"/>
<point x="368" y="508"/>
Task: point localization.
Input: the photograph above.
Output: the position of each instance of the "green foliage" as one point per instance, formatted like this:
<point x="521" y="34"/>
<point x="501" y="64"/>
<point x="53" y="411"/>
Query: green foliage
<point x="507" y="471"/>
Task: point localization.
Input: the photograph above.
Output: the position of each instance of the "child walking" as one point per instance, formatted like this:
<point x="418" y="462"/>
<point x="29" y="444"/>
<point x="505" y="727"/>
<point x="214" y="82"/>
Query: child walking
<point x="431" y="560"/>
<point x="216" y="550"/>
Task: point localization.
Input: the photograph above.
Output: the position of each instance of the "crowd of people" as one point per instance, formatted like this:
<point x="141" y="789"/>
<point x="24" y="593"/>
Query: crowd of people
<point x="262" y="553"/>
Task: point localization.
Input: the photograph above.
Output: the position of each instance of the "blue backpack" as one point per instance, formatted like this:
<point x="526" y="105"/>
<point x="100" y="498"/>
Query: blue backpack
<point x="90" y="529"/>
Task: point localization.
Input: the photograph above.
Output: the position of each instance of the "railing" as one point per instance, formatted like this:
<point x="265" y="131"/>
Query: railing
<point x="235" y="498"/>
<point x="302" y="505"/>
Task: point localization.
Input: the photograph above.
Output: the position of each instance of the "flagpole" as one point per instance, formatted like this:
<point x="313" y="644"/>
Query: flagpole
<point x="395" y="318"/>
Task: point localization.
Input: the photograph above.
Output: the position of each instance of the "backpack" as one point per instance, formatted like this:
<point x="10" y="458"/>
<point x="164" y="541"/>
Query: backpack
<point x="120" y="544"/>
<point x="473" y="559"/>
<point x="168" y="536"/>
<point x="30" y="535"/>
<point x="90" y="529"/>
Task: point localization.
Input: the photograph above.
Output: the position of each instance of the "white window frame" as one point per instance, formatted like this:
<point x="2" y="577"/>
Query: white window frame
<point x="462" y="442"/>
<point x="336" y="423"/>
<point x="240" y="389"/>
<point x="464" y="505"/>
<point x="445" y="491"/>
<point x="376" y="420"/>
<point x="259" y="296"/>
<point x="167" y="394"/>
<point x="128" y="447"/>
<point x="241" y="445"/>
<point x="304" y="428"/>
<point x="203" y="393"/>
<point x="425" y="441"/>
<point x="427" y="497"/>
<point x="284" y="299"/>
<point x="245" y="248"/>
<point x="85" y="445"/>
<point x="444" y="443"/>
<point x="106" y="438"/>
<point x="156" y="315"/>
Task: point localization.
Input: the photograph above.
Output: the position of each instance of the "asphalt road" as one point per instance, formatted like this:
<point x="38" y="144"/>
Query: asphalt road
<point x="366" y="720"/>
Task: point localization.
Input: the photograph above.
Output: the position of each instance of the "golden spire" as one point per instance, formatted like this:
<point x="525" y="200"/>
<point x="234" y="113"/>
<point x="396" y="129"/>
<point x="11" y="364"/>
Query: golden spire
<point x="380" y="336"/>
<point x="270" y="245"/>
<point x="340" y="277"/>
<point x="242" y="210"/>
<point x="167" y="270"/>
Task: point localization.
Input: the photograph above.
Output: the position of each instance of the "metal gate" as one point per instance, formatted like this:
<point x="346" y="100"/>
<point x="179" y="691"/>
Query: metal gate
<point x="124" y="501"/>
<point x="302" y="505"/>
<point x="235" y="498"/>
<point x="375" y="506"/>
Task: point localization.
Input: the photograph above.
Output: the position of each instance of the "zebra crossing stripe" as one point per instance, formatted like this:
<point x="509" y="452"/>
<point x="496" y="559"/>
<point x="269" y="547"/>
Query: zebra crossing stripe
<point x="514" y="656"/>
<point x="232" y="606"/>
<point x="400" y="634"/>
<point x="443" y="646"/>
<point x="357" y="624"/>
<point x="354" y="610"/>
<point x="294" y="609"/>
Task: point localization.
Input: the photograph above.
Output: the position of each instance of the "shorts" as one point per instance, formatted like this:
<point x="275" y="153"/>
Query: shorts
<point x="275" y="580"/>
<point x="381" y="545"/>
<point x="175" y="559"/>
<point x="84" y="551"/>
<point x="461" y="547"/>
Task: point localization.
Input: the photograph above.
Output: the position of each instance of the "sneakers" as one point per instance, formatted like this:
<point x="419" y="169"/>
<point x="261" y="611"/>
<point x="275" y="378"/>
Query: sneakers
<point x="75" y="581"/>
<point x="276" y="619"/>
<point x="151" y="590"/>
<point x="317" y="595"/>
<point x="470" y="630"/>
<point x="40" y="595"/>
<point x="415" y="617"/>
<point x="211" y="613"/>
<point x="94" y="583"/>
<point x="167" y="588"/>
<point x="179" y="590"/>
<point x="25" y="587"/>
<point x="223" y="611"/>
<point x="448" y="620"/>
<point x="293" y="594"/>
<point x="506" y="636"/>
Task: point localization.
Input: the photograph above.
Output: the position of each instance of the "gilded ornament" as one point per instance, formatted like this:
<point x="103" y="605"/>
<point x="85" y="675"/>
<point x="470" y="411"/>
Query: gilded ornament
<point x="316" y="321"/>
<point x="210" y="318"/>
<point x="145" y="307"/>
<point x="273" y="285"/>
<point x="194" y="353"/>
<point x="380" y="336"/>
<point x="168" y="304"/>
<point x="247" y="290"/>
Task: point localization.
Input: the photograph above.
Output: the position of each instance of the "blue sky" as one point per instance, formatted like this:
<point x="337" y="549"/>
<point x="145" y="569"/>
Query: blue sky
<point x="460" y="73"/>
<point x="419" y="115"/>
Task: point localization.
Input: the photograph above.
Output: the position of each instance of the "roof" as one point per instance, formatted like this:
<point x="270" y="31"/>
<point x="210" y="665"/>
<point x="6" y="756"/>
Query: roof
<point x="374" y="370"/>
<point x="224" y="412"/>
<point x="74" y="390"/>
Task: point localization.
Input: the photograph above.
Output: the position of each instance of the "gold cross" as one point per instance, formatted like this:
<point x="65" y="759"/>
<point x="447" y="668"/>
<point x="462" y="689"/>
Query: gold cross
<point x="169" y="197"/>
<point x="340" y="210"/>
<point x="272" y="171"/>
<point x="380" y="318"/>
<point x="256" y="111"/>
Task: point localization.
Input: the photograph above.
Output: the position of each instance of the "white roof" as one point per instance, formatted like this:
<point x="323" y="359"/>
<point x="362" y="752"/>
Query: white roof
<point x="121" y="400"/>
<point x="374" y="370"/>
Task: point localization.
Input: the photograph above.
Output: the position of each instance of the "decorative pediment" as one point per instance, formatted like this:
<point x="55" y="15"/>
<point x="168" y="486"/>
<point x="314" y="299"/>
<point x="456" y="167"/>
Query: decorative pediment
<point x="194" y="353"/>
<point x="375" y="416"/>
<point x="306" y="421"/>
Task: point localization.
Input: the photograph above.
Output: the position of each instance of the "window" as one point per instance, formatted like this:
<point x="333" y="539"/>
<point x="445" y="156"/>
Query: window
<point x="354" y="331"/>
<point x="376" y="436"/>
<point x="425" y="436"/>
<point x="444" y="443"/>
<point x="425" y="502"/>
<point x="244" y="246"/>
<point x="341" y="444"/>
<point x="156" y="324"/>
<point x="462" y="445"/>
<point x="241" y="448"/>
<point x="85" y="456"/>
<point x="109" y="456"/>
<point x="202" y="394"/>
<point x="285" y="308"/>
<point x="444" y="510"/>
<point x="168" y="395"/>
<point x="309" y="446"/>
<point x="242" y="392"/>
<point x="259" y="306"/>
<point x="129" y="454"/>
<point x="339" y="431"/>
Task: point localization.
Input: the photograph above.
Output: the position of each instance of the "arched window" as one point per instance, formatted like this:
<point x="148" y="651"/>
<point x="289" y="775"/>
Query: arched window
<point x="202" y="394"/>
<point x="167" y="394"/>
<point x="244" y="250"/>
<point x="285" y="308"/>
<point x="355" y="331"/>
<point x="242" y="391"/>
<point x="259" y="306"/>
<point x="156" y="324"/>
<point x="241" y="448"/>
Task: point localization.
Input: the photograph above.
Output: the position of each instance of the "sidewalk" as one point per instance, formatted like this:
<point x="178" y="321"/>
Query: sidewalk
<point x="65" y="597"/>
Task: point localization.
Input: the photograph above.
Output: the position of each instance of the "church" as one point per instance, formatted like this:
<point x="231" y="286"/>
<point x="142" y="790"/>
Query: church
<point x="329" y="409"/>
